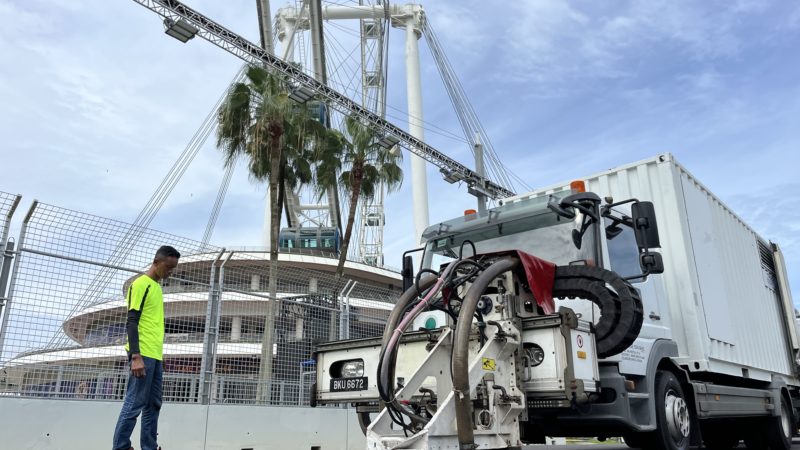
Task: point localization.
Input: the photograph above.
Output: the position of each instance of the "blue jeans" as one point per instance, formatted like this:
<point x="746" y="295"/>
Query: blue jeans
<point x="143" y="396"/>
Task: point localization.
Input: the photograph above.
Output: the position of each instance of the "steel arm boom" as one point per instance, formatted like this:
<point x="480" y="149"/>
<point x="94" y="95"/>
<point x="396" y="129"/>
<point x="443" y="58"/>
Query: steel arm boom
<point x="247" y="51"/>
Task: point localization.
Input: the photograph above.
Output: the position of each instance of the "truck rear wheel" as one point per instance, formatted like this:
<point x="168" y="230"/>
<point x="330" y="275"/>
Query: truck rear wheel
<point x="719" y="436"/>
<point x="637" y="440"/>
<point x="779" y="430"/>
<point x="754" y="438"/>
<point x="673" y="414"/>
<point x="774" y="433"/>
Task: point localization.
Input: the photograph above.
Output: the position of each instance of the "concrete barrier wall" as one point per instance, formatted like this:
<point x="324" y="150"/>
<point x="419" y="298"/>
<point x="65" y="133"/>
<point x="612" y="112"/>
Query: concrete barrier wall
<point x="33" y="424"/>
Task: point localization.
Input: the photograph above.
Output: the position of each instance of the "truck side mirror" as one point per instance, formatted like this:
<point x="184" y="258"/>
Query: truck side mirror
<point x="407" y="272"/>
<point x="645" y="226"/>
<point x="554" y="204"/>
<point x="651" y="262"/>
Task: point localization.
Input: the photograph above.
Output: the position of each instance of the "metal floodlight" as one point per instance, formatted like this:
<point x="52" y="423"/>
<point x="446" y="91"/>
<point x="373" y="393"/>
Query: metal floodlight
<point x="478" y="191"/>
<point x="301" y="94"/>
<point x="451" y="177"/>
<point x="388" y="141"/>
<point x="180" y="29"/>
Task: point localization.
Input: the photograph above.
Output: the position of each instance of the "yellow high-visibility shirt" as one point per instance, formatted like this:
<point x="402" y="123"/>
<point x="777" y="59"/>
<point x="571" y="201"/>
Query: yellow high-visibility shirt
<point x="145" y="295"/>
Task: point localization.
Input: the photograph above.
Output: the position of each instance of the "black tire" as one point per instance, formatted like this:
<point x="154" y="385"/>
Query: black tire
<point x="753" y="434"/>
<point x="674" y="416"/>
<point x="637" y="440"/>
<point x="755" y="441"/>
<point x="779" y="430"/>
<point x="720" y="436"/>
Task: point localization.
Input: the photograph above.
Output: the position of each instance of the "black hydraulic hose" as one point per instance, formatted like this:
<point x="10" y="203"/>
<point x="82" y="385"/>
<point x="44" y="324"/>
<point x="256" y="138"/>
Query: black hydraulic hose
<point x="419" y="275"/>
<point x="399" y="320"/>
<point x="461" y="388"/>
<point x="402" y="303"/>
<point x="364" y="421"/>
<point x="395" y="316"/>
<point x="461" y="248"/>
<point x="454" y="282"/>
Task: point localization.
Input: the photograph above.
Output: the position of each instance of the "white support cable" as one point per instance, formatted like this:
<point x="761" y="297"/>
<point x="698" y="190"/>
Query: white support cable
<point x="464" y="110"/>
<point x="468" y="119"/>
<point x="246" y="50"/>
<point x="148" y="213"/>
<point x="401" y="114"/>
<point x="223" y="190"/>
<point x="335" y="81"/>
<point x="467" y="110"/>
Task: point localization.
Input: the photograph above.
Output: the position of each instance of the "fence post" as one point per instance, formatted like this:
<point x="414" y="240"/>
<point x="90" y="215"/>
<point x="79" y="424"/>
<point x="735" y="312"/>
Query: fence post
<point x="217" y="311"/>
<point x="5" y="268"/>
<point x="7" y="301"/>
<point x="7" y="225"/>
<point x="342" y="316"/>
<point x="344" y="330"/>
<point x="209" y="337"/>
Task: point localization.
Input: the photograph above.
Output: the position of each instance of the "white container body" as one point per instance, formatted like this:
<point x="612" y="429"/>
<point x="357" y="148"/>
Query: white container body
<point x="715" y="299"/>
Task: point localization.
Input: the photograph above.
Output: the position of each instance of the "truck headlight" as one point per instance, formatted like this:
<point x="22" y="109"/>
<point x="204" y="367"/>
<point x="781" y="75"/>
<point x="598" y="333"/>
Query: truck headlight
<point x="352" y="369"/>
<point x="536" y="354"/>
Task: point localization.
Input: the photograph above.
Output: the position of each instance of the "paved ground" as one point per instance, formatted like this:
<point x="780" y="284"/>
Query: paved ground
<point x="796" y="446"/>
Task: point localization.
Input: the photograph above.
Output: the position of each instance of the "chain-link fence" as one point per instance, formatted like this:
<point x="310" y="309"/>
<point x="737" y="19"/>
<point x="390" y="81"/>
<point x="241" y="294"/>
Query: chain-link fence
<point x="64" y="331"/>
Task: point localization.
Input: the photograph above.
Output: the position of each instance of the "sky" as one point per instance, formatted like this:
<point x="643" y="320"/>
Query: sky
<point x="96" y="104"/>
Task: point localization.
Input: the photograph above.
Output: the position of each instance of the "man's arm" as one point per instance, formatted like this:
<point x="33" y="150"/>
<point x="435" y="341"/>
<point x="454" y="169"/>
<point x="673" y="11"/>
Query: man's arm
<point x="132" y="326"/>
<point x="135" y="304"/>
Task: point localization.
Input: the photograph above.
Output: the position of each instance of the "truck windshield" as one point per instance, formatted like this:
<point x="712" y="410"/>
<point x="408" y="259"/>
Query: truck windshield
<point x="528" y="226"/>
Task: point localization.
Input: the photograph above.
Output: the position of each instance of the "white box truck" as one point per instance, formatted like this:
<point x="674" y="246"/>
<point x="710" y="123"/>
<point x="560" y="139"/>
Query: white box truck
<point x="695" y="342"/>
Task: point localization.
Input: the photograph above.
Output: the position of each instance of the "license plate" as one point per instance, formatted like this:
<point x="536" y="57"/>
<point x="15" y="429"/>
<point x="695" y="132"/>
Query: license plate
<point x="349" y="384"/>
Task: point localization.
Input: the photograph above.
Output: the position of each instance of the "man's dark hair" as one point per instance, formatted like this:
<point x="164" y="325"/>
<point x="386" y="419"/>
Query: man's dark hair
<point x="165" y="251"/>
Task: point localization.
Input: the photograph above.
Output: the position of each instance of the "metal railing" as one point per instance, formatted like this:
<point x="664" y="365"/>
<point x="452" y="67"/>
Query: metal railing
<point x="63" y="330"/>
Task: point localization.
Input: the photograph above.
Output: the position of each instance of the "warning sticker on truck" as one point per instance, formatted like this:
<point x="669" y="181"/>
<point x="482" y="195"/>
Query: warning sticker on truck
<point x="488" y="364"/>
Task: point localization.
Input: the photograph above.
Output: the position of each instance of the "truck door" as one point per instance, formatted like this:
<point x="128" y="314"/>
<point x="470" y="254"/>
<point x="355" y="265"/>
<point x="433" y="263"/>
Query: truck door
<point x="622" y="256"/>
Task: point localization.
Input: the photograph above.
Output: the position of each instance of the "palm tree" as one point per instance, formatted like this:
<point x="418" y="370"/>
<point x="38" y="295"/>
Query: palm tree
<point x="366" y="165"/>
<point x="258" y="122"/>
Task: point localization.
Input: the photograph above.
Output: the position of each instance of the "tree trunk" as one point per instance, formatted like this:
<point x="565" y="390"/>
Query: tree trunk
<point x="268" y="341"/>
<point x="358" y="175"/>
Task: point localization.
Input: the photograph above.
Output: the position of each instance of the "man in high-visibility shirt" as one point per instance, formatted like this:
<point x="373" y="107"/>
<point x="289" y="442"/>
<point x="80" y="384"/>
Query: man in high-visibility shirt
<point x="145" y="346"/>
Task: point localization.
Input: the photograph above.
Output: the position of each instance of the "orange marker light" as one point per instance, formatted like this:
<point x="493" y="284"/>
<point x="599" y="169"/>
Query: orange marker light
<point x="578" y="186"/>
<point x="470" y="211"/>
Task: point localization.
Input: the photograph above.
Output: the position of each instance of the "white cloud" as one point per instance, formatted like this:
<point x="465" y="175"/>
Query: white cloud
<point x="460" y="28"/>
<point x="794" y="18"/>
<point x="559" y="43"/>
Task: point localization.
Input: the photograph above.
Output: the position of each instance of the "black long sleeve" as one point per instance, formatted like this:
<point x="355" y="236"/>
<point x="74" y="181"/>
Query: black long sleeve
<point x="132" y="326"/>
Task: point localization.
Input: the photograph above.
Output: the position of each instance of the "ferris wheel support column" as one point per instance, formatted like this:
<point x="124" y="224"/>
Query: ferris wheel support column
<point x="265" y="25"/>
<point x="419" y="176"/>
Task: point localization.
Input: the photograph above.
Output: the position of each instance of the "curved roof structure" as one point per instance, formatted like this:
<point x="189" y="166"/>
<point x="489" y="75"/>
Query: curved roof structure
<point x="307" y="286"/>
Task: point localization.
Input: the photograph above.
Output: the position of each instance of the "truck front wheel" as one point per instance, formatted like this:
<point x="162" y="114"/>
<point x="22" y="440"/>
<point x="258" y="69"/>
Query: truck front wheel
<point x="673" y="414"/>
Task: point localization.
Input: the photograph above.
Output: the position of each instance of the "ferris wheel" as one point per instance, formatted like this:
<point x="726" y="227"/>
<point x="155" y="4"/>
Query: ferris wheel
<point x="339" y="53"/>
<point x="343" y="45"/>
